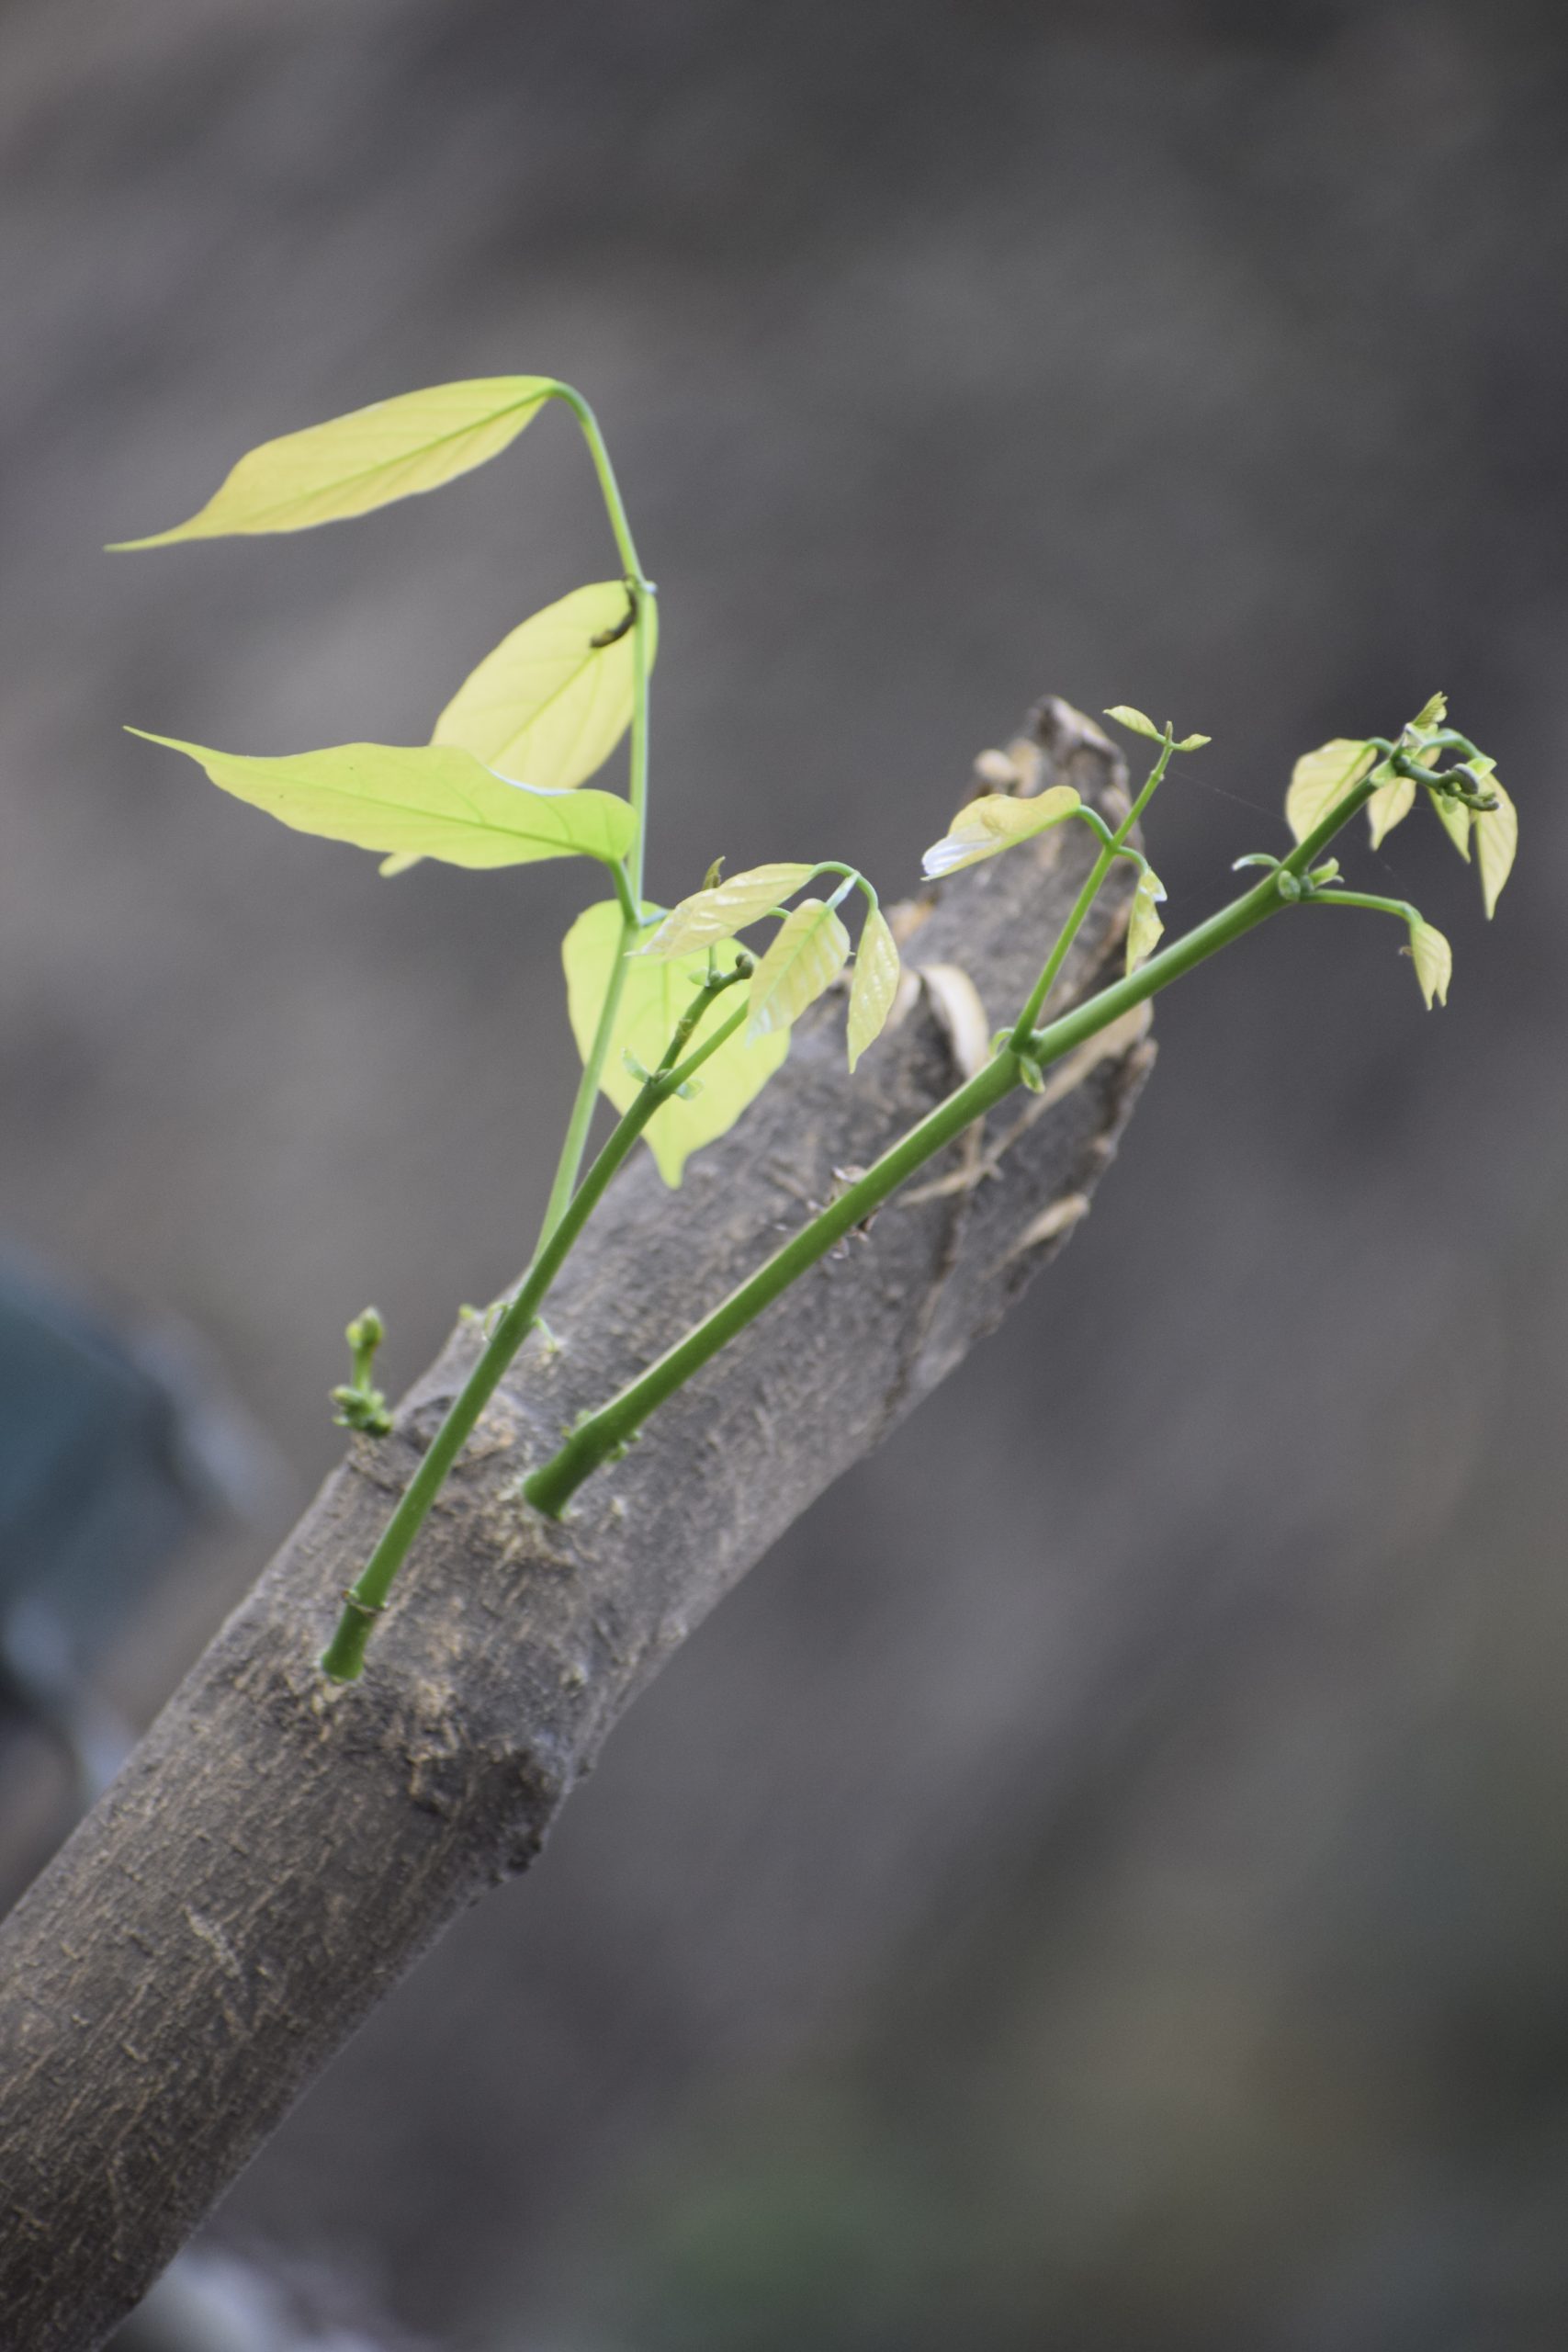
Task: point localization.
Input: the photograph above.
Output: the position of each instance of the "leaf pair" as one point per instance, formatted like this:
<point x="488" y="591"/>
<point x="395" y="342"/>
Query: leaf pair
<point x="543" y="711"/>
<point x="805" y="957"/>
<point x="1321" y="779"/>
<point x="1137" y="723"/>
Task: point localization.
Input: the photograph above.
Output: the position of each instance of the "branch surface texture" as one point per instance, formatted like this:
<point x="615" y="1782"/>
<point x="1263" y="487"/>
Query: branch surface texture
<point x="277" y="1854"/>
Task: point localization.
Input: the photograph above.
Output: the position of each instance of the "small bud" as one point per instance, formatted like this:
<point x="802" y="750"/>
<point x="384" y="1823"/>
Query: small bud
<point x="362" y="1408"/>
<point x="1287" y="885"/>
<point x="367" y="1330"/>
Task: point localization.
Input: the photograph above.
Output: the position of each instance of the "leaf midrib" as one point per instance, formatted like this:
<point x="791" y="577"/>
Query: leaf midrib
<point x="369" y="473"/>
<point x="350" y="791"/>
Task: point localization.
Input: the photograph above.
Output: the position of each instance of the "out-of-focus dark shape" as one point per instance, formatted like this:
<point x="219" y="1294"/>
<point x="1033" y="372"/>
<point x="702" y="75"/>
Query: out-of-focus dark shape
<point x="115" y="1441"/>
<point x="211" y="2301"/>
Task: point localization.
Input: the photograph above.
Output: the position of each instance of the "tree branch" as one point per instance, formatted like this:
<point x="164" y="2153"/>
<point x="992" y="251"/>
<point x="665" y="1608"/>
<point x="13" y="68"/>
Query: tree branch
<point x="277" y="1854"/>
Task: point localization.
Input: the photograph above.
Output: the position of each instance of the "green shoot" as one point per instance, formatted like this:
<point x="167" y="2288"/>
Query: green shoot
<point x="505" y="781"/>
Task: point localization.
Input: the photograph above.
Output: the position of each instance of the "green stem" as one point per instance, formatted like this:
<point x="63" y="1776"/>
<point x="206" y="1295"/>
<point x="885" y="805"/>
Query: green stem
<point x="1307" y="852"/>
<point x="1107" y="838"/>
<point x="642" y="593"/>
<point x="570" y="1204"/>
<point x="609" y="489"/>
<point x="604" y="1432"/>
<point x="344" y="1657"/>
<point x="1400" y="906"/>
<point x="1086" y="898"/>
<point x="575" y="1141"/>
<point x="629" y="875"/>
<point x="637" y="781"/>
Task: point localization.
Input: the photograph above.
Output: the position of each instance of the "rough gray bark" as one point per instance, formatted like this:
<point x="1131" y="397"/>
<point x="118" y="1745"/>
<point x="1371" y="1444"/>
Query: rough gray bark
<point x="276" y="1855"/>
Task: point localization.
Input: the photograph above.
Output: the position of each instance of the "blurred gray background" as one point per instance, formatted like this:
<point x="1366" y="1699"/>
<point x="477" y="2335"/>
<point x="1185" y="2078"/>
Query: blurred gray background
<point x="1104" y="1883"/>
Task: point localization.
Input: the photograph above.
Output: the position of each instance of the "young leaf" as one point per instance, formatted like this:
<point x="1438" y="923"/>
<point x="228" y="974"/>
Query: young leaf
<point x="1395" y="799"/>
<point x="996" y="822"/>
<point x="724" y="908"/>
<point x="1135" y="722"/>
<point x="418" y="801"/>
<point x="809" y="950"/>
<point x="1143" y="923"/>
<point x="1389" y="806"/>
<point x="1455" y="820"/>
<point x="550" y="704"/>
<point x="1496" y="840"/>
<point x="653" y="999"/>
<point x="1433" y="962"/>
<point x="1192" y="743"/>
<point x="874" y="984"/>
<point x="1320" y="780"/>
<point x="366" y="459"/>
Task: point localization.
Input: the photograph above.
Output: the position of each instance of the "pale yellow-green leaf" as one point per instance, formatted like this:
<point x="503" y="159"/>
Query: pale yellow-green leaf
<point x="996" y="822"/>
<point x="1143" y="923"/>
<point x="1455" y="820"/>
<point x="1496" y="840"/>
<point x="808" y="951"/>
<point x="874" y="984"/>
<point x="419" y="800"/>
<point x="1389" y="806"/>
<point x="653" y="999"/>
<point x="724" y="907"/>
<point x="1137" y="724"/>
<point x="549" y="705"/>
<point x="1433" y="962"/>
<point x="1432" y="715"/>
<point x="1320" y="780"/>
<point x="366" y="459"/>
<point x="1192" y="743"/>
